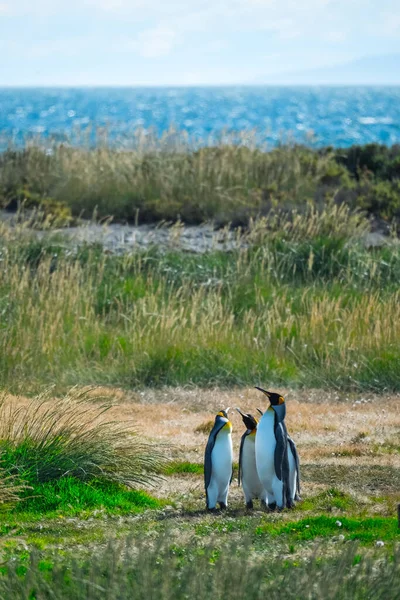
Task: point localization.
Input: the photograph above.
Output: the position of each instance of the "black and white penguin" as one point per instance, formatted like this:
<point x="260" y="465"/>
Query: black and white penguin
<point x="248" y="476"/>
<point x="296" y="461"/>
<point x="218" y="462"/>
<point x="276" y="455"/>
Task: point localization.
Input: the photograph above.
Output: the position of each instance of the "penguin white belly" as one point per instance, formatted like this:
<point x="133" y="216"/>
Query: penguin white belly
<point x="265" y="458"/>
<point x="251" y="483"/>
<point x="221" y="469"/>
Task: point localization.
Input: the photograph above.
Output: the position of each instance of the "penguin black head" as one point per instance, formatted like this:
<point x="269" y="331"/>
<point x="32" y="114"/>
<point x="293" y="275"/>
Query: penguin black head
<point x="248" y="419"/>
<point x="277" y="403"/>
<point x="275" y="399"/>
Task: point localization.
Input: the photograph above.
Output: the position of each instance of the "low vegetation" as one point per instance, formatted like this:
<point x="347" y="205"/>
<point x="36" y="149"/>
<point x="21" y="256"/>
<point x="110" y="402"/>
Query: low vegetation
<point x="130" y="569"/>
<point x="167" y="179"/>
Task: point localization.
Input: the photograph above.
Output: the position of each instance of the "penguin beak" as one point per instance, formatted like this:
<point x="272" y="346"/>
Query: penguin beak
<point x="260" y="411"/>
<point x="227" y="409"/>
<point x="263" y="391"/>
<point x="239" y="411"/>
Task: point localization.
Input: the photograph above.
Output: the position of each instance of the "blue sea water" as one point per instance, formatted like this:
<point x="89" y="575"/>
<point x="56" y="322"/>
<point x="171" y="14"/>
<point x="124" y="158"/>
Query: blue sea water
<point x="319" y="116"/>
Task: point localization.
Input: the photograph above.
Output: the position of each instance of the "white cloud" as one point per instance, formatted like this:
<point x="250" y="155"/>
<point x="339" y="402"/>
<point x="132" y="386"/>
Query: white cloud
<point x="216" y="46"/>
<point x="108" y="5"/>
<point x="116" y="5"/>
<point x="156" y="42"/>
<point x="288" y="19"/>
<point x="335" y="37"/>
<point x="391" y="24"/>
<point x="64" y="47"/>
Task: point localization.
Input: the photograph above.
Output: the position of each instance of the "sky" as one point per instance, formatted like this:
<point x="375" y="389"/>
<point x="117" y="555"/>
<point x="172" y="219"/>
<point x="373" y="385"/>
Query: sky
<point x="191" y="42"/>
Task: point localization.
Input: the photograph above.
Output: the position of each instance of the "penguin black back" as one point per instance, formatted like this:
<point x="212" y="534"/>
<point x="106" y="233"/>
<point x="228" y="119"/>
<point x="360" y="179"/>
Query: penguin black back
<point x="221" y="420"/>
<point x="250" y="423"/>
<point x="284" y="447"/>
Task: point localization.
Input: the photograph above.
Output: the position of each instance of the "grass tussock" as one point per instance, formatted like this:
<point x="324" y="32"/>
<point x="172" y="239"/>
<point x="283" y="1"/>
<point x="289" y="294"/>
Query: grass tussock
<point x="167" y="179"/>
<point x="205" y="427"/>
<point x="49" y="450"/>
<point x="11" y="490"/>
<point x="129" y="569"/>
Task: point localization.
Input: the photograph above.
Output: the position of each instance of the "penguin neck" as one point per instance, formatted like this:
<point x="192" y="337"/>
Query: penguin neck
<point x="271" y="417"/>
<point x="250" y="436"/>
<point x="226" y="429"/>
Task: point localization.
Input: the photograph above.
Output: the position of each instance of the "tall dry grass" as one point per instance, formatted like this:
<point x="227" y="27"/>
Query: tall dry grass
<point x="229" y="179"/>
<point x="294" y="306"/>
<point x="165" y="178"/>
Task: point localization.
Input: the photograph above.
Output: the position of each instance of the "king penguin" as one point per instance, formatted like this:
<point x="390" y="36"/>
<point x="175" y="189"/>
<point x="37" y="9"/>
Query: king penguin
<point x="248" y="476"/>
<point x="294" y="474"/>
<point x="218" y="462"/>
<point x="277" y="464"/>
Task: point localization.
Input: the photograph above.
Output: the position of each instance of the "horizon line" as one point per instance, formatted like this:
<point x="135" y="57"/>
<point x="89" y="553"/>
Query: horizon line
<point x="191" y="85"/>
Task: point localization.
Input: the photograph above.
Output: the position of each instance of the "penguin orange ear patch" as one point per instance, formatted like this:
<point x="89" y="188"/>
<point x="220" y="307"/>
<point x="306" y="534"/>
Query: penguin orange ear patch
<point x="220" y="414"/>
<point x="281" y="400"/>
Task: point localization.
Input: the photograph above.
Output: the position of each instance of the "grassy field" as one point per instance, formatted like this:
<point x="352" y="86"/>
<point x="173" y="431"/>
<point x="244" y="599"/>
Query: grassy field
<point x="89" y="537"/>
<point x="101" y="488"/>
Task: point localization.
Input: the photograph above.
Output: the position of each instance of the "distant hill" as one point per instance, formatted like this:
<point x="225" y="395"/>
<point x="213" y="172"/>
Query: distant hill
<point x="369" y="70"/>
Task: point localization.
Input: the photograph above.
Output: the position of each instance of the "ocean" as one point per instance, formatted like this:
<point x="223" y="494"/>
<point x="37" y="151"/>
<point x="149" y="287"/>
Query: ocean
<point x="318" y="116"/>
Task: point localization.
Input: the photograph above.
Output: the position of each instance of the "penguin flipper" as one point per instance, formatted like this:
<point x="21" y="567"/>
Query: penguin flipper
<point x="297" y="462"/>
<point x="281" y="460"/>
<point x="242" y="440"/>
<point x="209" y="448"/>
<point x="280" y="450"/>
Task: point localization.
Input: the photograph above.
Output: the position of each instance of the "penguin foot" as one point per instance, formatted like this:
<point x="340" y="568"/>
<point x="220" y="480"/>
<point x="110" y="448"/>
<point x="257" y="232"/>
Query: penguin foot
<point x="222" y="506"/>
<point x="249" y="505"/>
<point x="212" y="510"/>
<point x="297" y="498"/>
<point x="272" y="506"/>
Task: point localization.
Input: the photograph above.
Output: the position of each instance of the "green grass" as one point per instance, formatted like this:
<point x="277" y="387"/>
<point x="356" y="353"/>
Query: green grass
<point x="133" y="569"/>
<point x="181" y="467"/>
<point x="71" y="496"/>
<point x="364" y="529"/>
<point x="178" y="467"/>
<point x="328" y="500"/>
